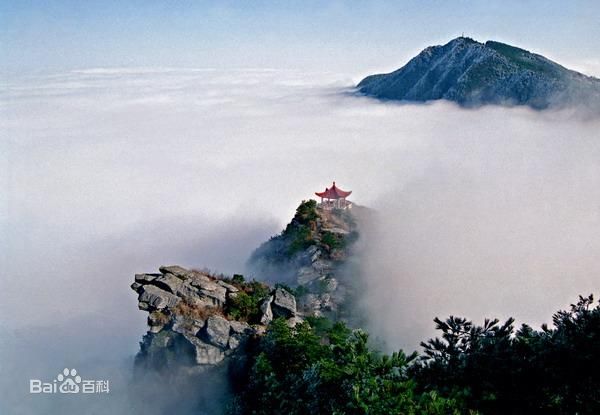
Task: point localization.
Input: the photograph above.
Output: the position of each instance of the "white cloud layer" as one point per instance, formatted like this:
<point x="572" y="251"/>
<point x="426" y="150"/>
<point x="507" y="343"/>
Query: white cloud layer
<point x="107" y="172"/>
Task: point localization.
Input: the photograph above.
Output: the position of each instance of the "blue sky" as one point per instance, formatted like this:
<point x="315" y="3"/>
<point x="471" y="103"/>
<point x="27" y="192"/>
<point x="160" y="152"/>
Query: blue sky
<point x="353" y="37"/>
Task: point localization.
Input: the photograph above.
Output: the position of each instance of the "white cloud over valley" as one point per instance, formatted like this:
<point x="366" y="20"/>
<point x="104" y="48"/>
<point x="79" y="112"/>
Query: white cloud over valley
<point x="107" y="172"/>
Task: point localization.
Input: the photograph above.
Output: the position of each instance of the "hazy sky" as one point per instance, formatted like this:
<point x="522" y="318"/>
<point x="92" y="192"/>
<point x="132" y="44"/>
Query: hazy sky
<point x="114" y="172"/>
<point x="121" y="150"/>
<point x="354" y="37"/>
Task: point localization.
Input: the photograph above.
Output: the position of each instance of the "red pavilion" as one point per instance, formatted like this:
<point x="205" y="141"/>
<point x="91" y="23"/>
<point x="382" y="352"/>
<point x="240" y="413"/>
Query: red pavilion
<point x="334" y="197"/>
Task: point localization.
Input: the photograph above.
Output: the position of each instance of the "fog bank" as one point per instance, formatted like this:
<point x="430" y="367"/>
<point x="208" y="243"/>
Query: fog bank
<point x="108" y="172"/>
<point x="497" y="226"/>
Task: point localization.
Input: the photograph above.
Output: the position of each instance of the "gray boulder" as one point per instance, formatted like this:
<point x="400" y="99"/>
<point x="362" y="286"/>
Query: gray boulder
<point x="197" y="279"/>
<point x="216" y="331"/>
<point x="152" y="297"/>
<point x="267" y="313"/>
<point x="176" y="270"/>
<point x="168" y="282"/>
<point x="206" y="354"/>
<point x="187" y="292"/>
<point x="239" y="330"/>
<point x="284" y="304"/>
<point x="215" y="293"/>
<point x="145" y="278"/>
<point x="239" y="327"/>
<point x="228" y="287"/>
<point x="187" y="325"/>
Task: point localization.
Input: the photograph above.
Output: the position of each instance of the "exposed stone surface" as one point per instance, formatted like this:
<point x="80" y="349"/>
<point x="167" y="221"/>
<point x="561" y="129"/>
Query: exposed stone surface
<point x="153" y="298"/>
<point x="215" y="293"/>
<point x="319" y="271"/>
<point x="206" y="354"/>
<point x="190" y="320"/>
<point x="169" y="282"/>
<point x="284" y="304"/>
<point x="187" y="323"/>
<point x="144" y="278"/>
<point x="186" y="326"/>
<point x="239" y="327"/>
<point x="175" y="270"/>
<point x="473" y="74"/>
<point x="266" y="310"/>
<point x="228" y="287"/>
<point x="216" y="330"/>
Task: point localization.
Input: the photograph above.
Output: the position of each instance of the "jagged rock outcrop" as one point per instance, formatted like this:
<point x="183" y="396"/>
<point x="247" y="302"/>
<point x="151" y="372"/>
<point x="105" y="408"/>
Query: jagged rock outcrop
<point x="311" y="255"/>
<point x="197" y="320"/>
<point x="473" y="73"/>
<point x="283" y="304"/>
<point x="190" y="322"/>
<point x="267" y="312"/>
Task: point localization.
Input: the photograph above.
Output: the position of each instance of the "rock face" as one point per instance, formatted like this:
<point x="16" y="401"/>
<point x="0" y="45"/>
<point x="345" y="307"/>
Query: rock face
<point x="283" y="304"/>
<point x="472" y="73"/>
<point x="198" y="321"/>
<point x="188" y="323"/>
<point x="203" y="329"/>
<point x="216" y="331"/>
<point x="153" y="298"/>
<point x="311" y="256"/>
<point x="267" y="312"/>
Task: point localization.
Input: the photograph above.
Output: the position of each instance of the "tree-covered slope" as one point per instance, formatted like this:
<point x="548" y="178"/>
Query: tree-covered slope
<point x="294" y="349"/>
<point x="325" y="368"/>
<point x="472" y="73"/>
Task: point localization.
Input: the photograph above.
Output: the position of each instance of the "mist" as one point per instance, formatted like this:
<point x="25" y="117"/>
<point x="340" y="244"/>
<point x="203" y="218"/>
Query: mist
<point x="500" y="224"/>
<point x="109" y="172"/>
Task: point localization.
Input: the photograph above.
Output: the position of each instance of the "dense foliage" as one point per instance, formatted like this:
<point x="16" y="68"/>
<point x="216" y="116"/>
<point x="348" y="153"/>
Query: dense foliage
<point x="298" y="235"/>
<point x="498" y="371"/>
<point x="329" y="369"/>
<point x="321" y="367"/>
<point x="245" y="304"/>
<point x="300" y="230"/>
<point x="332" y="241"/>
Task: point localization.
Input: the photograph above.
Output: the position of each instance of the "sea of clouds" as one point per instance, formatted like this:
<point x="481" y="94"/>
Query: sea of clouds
<point x="108" y="172"/>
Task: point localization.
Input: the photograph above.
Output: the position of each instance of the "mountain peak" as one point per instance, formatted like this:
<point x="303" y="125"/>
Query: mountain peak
<point x="464" y="40"/>
<point x="472" y="74"/>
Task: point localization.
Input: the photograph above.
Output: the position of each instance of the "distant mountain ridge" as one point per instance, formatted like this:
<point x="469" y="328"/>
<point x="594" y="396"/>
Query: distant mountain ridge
<point x="473" y="74"/>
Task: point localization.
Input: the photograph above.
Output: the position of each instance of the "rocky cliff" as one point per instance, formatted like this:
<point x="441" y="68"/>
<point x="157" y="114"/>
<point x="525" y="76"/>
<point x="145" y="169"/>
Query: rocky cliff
<point x="473" y="73"/>
<point x="197" y="320"/>
<point x="314" y="256"/>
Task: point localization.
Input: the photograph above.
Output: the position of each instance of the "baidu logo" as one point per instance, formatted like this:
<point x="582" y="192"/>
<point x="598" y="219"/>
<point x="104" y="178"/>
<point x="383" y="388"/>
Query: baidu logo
<point x="69" y="382"/>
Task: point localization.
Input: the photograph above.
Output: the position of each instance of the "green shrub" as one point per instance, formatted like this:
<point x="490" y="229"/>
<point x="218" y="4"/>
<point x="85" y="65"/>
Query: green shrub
<point x="298" y="233"/>
<point x="245" y="304"/>
<point x="331" y="240"/>
<point x="300" y="238"/>
<point x="331" y="370"/>
<point x="497" y="370"/>
<point x="321" y="325"/>
<point x="238" y="279"/>
<point x="307" y="211"/>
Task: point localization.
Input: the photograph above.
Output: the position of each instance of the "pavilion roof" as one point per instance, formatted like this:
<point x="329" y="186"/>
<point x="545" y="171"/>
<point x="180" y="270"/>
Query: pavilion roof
<point x="333" y="192"/>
